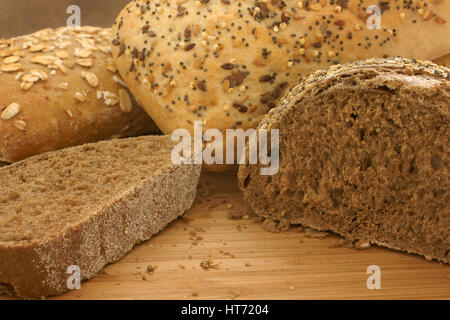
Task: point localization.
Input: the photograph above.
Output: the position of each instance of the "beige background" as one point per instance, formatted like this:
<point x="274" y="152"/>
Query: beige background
<point x="19" y="17"/>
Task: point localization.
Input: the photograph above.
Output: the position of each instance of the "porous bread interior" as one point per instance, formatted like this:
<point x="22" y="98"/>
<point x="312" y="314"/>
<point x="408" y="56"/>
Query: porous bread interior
<point x="46" y="194"/>
<point x="367" y="164"/>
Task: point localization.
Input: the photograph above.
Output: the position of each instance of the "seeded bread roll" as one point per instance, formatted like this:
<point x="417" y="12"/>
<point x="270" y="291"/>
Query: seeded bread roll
<point x="226" y="63"/>
<point x="364" y="152"/>
<point x="86" y="206"/>
<point x="60" y="88"/>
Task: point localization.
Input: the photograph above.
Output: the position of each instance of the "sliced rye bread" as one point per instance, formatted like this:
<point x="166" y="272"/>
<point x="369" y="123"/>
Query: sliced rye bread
<point x="86" y="206"/>
<point x="364" y="152"/>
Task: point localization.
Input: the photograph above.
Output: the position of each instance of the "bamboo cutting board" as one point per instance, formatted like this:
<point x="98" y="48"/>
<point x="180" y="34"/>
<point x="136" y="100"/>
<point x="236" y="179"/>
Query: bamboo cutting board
<point x="248" y="262"/>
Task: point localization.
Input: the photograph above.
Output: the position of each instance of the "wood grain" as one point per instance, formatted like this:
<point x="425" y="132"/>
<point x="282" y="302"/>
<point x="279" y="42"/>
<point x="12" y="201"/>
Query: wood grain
<point x="255" y="264"/>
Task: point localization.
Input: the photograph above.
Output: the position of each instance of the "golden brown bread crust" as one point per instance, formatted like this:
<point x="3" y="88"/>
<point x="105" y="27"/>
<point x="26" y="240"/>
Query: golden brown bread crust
<point x="228" y="62"/>
<point x="363" y="153"/>
<point x="146" y="192"/>
<point x="43" y="74"/>
<point x="443" y="61"/>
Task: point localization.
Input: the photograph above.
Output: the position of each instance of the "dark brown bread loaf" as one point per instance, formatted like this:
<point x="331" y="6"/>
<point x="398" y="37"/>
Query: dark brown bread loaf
<point x="86" y="206"/>
<point x="364" y="152"/>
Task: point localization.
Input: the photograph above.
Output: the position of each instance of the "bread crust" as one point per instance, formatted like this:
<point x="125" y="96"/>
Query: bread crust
<point x="443" y="61"/>
<point x="48" y="78"/>
<point x="37" y="268"/>
<point x="181" y="58"/>
<point x="375" y="177"/>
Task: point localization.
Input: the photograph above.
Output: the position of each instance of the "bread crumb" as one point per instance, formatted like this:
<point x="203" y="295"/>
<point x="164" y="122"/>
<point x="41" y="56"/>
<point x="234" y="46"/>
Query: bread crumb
<point x="234" y="215"/>
<point x="259" y="219"/>
<point x="240" y="227"/>
<point x="315" y="234"/>
<point x="362" y="245"/>
<point x="348" y="243"/>
<point x="151" y="269"/>
<point x="243" y="212"/>
<point x="203" y="191"/>
<point x="337" y="244"/>
<point x="270" y="225"/>
<point x="208" y="264"/>
<point x="274" y="226"/>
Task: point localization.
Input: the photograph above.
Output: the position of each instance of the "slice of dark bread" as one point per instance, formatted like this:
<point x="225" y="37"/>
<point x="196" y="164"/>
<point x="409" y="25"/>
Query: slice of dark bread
<point x="364" y="152"/>
<point x="86" y="206"/>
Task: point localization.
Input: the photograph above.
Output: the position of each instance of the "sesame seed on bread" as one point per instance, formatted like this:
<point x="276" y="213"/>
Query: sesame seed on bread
<point x="227" y="63"/>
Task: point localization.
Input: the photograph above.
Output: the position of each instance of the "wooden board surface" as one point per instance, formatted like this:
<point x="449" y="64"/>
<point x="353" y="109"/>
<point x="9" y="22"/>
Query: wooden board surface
<point x="251" y="263"/>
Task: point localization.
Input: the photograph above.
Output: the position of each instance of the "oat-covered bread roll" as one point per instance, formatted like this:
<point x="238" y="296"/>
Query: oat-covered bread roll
<point x="60" y="88"/>
<point x="364" y="152"/>
<point x="228" y="62"/>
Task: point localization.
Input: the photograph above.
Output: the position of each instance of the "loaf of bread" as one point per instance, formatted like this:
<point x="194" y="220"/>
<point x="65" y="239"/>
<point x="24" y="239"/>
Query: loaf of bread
<point x="227" y="63"/>
<point x="85" y="207"/>
<point x="364" y="152"/>
<point x="60" y="88"/>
